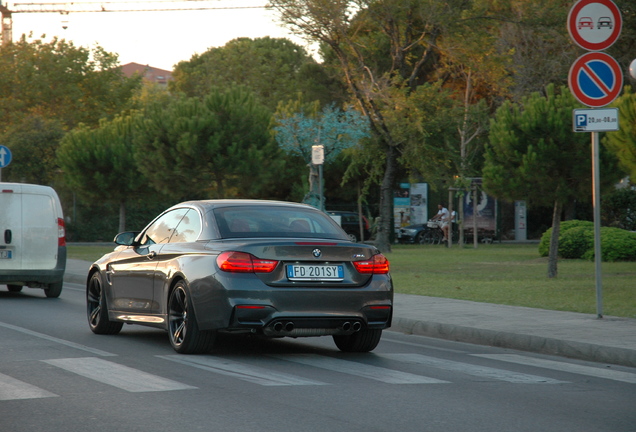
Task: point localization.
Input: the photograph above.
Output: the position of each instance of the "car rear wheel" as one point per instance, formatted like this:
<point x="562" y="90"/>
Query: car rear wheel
<point x="96" y="308"/>
<point x="54" y="290"/>
<point x="362" y="341"/>
<point x="185" y="336"/>
<point x="352" y="237"/>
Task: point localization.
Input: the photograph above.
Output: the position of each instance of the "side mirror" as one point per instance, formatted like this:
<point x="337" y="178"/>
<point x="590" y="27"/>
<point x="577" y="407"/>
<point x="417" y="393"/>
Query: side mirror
<point x="126" y="238"/>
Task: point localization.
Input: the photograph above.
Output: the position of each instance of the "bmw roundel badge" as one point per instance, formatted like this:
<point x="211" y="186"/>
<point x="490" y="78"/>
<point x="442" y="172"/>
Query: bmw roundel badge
<point x="316" y="253"/>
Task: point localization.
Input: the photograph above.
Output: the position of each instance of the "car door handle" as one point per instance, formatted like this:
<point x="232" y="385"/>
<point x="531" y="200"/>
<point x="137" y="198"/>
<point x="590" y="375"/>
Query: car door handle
<point x="151" y="255"/>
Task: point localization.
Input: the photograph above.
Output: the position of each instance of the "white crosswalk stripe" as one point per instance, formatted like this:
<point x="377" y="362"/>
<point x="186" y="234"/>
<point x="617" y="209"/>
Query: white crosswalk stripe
<point x="564" y="367"/>
<point x="359" y="369"/>
<point x="134" y="380"/>
<point x="469" y="369"/>
<point x="245" y="372"/>
<point x="123" y="377"/>
<point x="64" y="342"/>
<point x="12" y="389"/>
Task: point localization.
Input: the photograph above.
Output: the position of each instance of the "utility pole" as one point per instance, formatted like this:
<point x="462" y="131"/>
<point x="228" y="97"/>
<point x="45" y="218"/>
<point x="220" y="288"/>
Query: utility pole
<point x="7" y="25"/>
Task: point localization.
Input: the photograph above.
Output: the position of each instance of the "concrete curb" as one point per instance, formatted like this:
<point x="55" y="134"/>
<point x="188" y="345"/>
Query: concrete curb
<point x="522" y="342"/>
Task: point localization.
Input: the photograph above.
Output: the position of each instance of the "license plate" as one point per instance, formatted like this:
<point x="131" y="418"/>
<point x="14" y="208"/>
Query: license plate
<point x="308" y="272"/>
<point x="5" y="254"/>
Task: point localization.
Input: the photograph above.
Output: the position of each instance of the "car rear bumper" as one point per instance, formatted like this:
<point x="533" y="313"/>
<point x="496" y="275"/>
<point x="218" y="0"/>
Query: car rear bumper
<point x="36" y="278"/>
<point x="296" y="311"/>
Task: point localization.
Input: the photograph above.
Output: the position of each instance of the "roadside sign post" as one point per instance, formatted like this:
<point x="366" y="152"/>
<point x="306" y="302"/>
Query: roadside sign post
<point x="5" y="158"/>
<point x="595" y="79"/>
<point x="318" y="158"/>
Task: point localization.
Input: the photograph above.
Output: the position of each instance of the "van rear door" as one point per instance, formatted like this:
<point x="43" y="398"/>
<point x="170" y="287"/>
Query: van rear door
<point x="29" y="225"/>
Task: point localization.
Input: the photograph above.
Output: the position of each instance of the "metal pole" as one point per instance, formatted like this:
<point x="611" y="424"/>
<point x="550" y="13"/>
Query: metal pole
<point x="596" y="197"/>
<point x="475" y="237"/>
<point x="449" y="237"/>
<point x="322" y="205"/>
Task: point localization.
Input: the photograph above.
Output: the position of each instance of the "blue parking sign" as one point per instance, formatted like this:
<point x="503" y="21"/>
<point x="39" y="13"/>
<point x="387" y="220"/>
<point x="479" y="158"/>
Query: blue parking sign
<point x="581" y="120"/>
<point x="5" y="156"/>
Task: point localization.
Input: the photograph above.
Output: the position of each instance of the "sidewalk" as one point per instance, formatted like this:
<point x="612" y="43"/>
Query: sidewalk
<point x="568" y="334"/>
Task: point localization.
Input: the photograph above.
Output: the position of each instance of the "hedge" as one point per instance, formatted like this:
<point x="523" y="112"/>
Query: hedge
<point x="576" y="240"/>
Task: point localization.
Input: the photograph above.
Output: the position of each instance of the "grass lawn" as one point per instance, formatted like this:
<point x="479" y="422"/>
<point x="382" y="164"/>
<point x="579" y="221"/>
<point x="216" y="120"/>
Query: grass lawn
<point x="511" y="274"/>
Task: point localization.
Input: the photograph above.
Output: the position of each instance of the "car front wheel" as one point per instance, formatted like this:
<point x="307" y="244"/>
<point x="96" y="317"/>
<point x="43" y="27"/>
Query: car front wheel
<point x="185" y="336"/>
<point x="362" y="341"/>
<point x="96" y="308"/>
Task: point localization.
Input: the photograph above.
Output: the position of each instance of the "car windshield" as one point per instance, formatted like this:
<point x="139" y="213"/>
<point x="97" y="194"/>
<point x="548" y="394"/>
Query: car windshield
<point x="275" y="221"/>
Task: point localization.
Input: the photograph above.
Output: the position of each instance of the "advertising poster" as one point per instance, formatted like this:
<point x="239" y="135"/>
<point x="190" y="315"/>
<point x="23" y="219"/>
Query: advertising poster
<point x="410" y="204"/>
<point x="419" y="203"/>
<point x="485" y="210"/>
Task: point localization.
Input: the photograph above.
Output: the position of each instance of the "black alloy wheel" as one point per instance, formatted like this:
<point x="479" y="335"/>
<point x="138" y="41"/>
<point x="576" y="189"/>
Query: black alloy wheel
<point x="184" y="333"/>
<point x="96" y="309"/>
<point x="361" y="341"/>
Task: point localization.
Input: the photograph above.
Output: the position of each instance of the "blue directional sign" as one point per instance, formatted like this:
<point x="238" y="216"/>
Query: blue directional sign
<point x="595" y="79"/>
<point x="5" y="156"/>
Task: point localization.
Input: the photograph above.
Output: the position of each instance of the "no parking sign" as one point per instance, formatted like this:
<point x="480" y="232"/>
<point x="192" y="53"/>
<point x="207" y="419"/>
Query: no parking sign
<point x="595" y="79"/>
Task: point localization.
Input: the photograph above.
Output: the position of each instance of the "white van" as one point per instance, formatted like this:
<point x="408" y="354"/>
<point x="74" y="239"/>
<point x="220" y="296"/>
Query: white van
<point x="32" y="238"/>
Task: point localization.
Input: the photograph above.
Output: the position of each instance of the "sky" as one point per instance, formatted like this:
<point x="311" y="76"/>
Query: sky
<point x="158" y="39"/>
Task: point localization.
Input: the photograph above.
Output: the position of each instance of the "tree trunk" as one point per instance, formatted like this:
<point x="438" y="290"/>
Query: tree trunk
<point x="122" y="216"/>
<point x="554" y="240"/>
<point x="383" y="238"/>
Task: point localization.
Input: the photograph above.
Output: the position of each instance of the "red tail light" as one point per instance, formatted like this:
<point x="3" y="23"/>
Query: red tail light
<point x="378" y="264"/>
<point x="241" y="262"/>
<point x="61" y="232"/>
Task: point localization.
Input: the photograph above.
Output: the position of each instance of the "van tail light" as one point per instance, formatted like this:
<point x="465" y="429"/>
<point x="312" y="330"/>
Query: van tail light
<point x="378" y="264"/>
<point x="61" y="232"/>
<point x="241" y="262"/>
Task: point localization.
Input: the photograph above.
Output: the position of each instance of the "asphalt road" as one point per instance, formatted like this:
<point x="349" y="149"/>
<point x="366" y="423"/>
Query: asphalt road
<point x="55" y="375"/>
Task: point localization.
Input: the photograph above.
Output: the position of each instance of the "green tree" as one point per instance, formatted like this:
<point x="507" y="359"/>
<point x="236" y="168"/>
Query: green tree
<point x="274" y="69"/>
<point x="384" y="50"/>
<point x="534" y="155"/>
<point x="218" y="147"/>
<point x="623" y="142"/>
<point x="99" y="163"/>
<point x="33" y="142"/>
<point x="57" y="80"/>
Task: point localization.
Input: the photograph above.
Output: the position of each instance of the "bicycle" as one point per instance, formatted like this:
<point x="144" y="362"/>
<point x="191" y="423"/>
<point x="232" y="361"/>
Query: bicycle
<point x="435" y="234"/>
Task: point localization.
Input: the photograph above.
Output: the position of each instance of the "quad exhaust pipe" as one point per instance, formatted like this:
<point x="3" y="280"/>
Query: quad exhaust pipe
<point x="280" y="326"/>
<point x="347" y="326"/>
<point x="288" y="326"/>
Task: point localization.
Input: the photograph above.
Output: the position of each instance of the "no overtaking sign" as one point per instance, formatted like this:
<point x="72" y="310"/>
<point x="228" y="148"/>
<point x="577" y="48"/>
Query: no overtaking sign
<point x="594" y="25"/>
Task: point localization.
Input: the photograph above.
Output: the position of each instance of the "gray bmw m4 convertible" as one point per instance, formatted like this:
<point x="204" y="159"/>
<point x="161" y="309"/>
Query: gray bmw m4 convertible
<point x="271" y="268"/>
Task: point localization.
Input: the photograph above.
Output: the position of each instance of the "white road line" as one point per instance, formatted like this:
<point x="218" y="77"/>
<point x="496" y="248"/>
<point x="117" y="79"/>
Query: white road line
<point x="57" y="340"/>
<point x="116" y="375"/>
<point x="564" y="367"/>
<point x="470" y="369"/>
<point x="253" y="374"/>
<point x="11" y="389"/>
<point x="359" y="369"/>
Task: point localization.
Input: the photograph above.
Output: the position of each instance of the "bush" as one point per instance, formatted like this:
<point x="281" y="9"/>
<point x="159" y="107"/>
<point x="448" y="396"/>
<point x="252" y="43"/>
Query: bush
<point x="544" y="244"/>
<point x="616" y="245"/>
<point x="576" y="240"/>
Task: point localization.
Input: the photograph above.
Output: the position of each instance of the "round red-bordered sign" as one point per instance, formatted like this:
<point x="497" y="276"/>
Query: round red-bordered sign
<point x="594" y="25"/>
<point x="595" y="79"/>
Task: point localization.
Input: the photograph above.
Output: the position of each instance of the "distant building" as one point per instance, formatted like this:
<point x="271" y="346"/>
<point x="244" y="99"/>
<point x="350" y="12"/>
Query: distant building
<point x="149" y="73"/>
